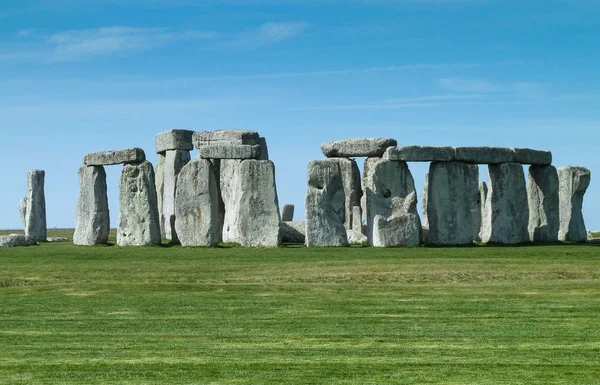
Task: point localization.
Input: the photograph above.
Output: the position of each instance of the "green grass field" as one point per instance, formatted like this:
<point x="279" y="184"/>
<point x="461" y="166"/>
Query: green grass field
<point x="292" y="315"/>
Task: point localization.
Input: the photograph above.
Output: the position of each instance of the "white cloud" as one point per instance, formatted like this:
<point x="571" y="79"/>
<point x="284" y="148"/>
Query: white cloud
<point x="25" y="33"/>
<point x="527" y="90"/>
<point x="429" y="101"/>
<point x="269" y="33"/>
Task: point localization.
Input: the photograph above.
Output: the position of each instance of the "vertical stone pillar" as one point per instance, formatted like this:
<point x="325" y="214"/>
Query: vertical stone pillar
<point x="475" y="201"/>
<point x="160" y="183"/>
<point x="352" y="187"/>
<point x="483" y="193"/>
<point x="506" y="214"/>
<point x="542" y="196"/>
<point x="230" y="186"/>
<point x="573" y="183"/>
<point x="287" y="213"/>
<point x="92" y="224"/>
<point x="35" y="212"/>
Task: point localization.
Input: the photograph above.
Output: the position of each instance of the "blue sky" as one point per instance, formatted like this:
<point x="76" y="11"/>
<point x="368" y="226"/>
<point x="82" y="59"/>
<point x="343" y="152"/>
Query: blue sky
<point x="79" y="76"/>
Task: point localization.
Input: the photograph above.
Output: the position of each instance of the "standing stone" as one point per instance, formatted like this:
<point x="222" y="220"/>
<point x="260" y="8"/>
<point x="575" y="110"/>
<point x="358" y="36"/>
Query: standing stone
<point x="425" y="221"/>
<point x="483" y="193"/>
<point x="92" y="223"/>
<point x="258" y="208"/>
<point x="355" y="234"/>
<point x="450" y="204"/>
<point x="160" y="184"/>
<point x="230" y="185"/>
<point x="392" y="205"/>
<point x="325" y="205"/>
<point x="287" y="213"/>
<point x="475" y="201"/>
<point x="35" y="213"/>
<point x="506" y="214"/>
<point x="23" y="211"/>
<point x="542" y="196"/>
<point x="572" y="182"/>
<point x="174" y="162"/>
<point x="352" y="187"/>
<point x="197" y="205"/>
<point x="138" y="222"/>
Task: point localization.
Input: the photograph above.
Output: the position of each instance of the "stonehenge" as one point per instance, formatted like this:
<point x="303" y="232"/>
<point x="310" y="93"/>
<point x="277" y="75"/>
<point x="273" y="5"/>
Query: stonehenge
<point x="92" y="223"/>
<point x="287" y="213"/>
<point x="543" y="201"/>
<point x="572" y="182"/>
<point x="33" y="207"/>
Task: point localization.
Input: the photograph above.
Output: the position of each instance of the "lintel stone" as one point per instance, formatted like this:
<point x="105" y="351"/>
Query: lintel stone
<point x="105" y="158"/>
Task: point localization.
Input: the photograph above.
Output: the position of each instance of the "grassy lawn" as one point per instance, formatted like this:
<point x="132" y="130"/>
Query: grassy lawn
<point x="155" y="315"/>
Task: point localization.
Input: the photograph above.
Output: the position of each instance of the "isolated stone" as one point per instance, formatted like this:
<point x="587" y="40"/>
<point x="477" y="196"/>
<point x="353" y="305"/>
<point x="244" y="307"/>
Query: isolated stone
<point x="35" y="212"/>
<point x="450" y="204"/>
<point x="365" y="147"/>
<point x="325" y="205"/>
<point x="92" y="223"/>
<point x="229" y="151"/>
<point x="483" y="193"/>
<point x="475" y="201"/>
<point x="542" y="196"/>
<point x="573" y="183"/>
<point x="160" y="184"/>
<point x="258" y="209"/>
<point x="176" y="139"/>
<point x="129" y="155"/>
<point x="352" y="187"/>
<point x="264" y="149"/>
<point x="205" y="138"/>
<point x="420" y="154"/>
<point x="138" y="222"/>
<point x="230" y="186"/>
<point x="16" y="240"/>
<point x="197" y="204"/>
<point x="287" y="213"/>
<point x="293" y="232"/>
<point x="392" y="218"/>
<point x="355" y="234"/>
<point x="506" y="213"/>
<point x="23" y="211"/>
<point x="174" y="162"/>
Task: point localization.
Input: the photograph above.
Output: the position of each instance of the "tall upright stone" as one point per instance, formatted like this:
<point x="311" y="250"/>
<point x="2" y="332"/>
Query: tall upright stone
<point x="424" y="200"/>
<point x="506" y="214"/>
<point x="35" y="213"/>
<point x="391" y="205"/>
<point x="174" y="162"/>
<point x="92" y="224"/>
<point x="483" y="194"/>
<point x="230" y="184"/>
<point x="325" y="205"/>
<point x="258" y="208"/>
<point x="450" y="204"/>
<point x="573" y="183"/>
<point x="543" y="201"/>
<point x="197" y="204"/>
<point x="475" y="201"/>
<point x="160" y="189"/>
<point x="287" y="213"/>
<point x="355" y="234"/>
<point x="352" y="187"/>
<point x="23" y="211"/>
<point x="138" y="222"/>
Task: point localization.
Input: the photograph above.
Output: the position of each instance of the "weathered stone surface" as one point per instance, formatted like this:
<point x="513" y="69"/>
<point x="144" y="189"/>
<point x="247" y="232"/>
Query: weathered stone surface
<point x="506" y="213"/>
<point x="533" y="157"/>
<point x="205" y="138"/>
<point x="138" y="222"/>
<point x="174" y="162"/>
<point x="542" y="196"/>
<point x="483" y="193"/>
<point x="35" y="212"/>
<point x="365" y="147"/>
<point x="325" y="205"/>
<point x="573" y="183"/>
<point x="23" y="211"/>
<point x="475" y="201"/>
<point x="229" y="151"/>
<point x="355" y="234"/>
<point x="230" y="184"/>
<point x="176" y="139"/>
<point x="197" y="205"/>
<point x="392" y="218"/>
<point x="352" y="187"/>
<point x="293" y="232"/>
<point x="16" y="240"/>
<point x="450" y="204"/>
<point x="264" y="149"/>
<point x="258" y="209"/>
<point x="160" y="188"/>
<point x="287" y="213"/>
<point x="425" y="198"/>
<point x="485" y="155"/>
<point x="129" y="155"/>
<point x="420" y="154"/>
<point x="92" y="223"/>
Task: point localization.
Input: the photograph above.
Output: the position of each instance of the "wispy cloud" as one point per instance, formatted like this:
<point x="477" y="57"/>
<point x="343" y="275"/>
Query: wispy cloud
<point x="428" y="101"/>
<point x="529" y="90"/>
<point x="268" y="33"/>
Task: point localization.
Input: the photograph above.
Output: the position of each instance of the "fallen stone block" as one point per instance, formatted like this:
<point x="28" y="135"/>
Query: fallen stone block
<point x="105" y="158"/>
<point x="229" y="151"/>
<point x="293" y="232"/>
<point x="543" y="201"/>
<point x="350" y="148"/>
<point x="176" y="139"/>
<point x="16" y="240"/>
<point x="420" y="154"/>
<point x="573" y="183"/>
<point x="92" y="223"/>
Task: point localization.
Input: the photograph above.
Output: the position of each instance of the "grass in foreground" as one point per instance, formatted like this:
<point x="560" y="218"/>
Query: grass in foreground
<point x="106" y="314"/>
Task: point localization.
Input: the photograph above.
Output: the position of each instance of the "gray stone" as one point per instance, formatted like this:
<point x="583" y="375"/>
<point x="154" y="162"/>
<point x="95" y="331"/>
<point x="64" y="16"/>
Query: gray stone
<point x="204" y="138"/>
<point x="483" y="193"/>
<point x="197" y="205"/>
<point x="355" y="234"/>
<point x="16" y="240"/>
<point x="174" y="162"/>
<point x="230" y="185"/>
<point x="174" y="140"/>
<point x="420" y="154"/>
<point x="450" y="204"/>
<point x="258" y="209"/>
<point x="293" y="232"/>
<point x="573" y="183"/>
<point x="506" y="213"/>
<point x="425" y="198"/>
<point x="542" y="196"/>
<point x="392" y="218"/>
<point x="264" y="149"/>
<point x="160" y="188"/>
<point x="485" y="155"/>
<point x="138" y="222"/>
<point x="105" y="158"/>
<point x="475" y="201"/>
<point x="23" y="211"/>
<point x="229" y="151"/>
<point x="287" y="213"/>
<point x="325" y="205"/>
<point x="533" y="157"/>
<point x="352" y="187"/>
<point x="35" y="212"/>
<point x="365" y="147"/>
<point x="92" y="223"/>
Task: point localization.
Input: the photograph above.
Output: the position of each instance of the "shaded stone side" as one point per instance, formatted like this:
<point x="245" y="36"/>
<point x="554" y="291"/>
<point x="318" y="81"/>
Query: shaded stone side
<point x="483" y="193"/>
<point x="542" y="196"/>
<point x="92" y="224"/>
<point x="352" y="187"/>
<point x="287" y="213"/>
<point x="175" y="160"/>
<point x="138" y="222"/>
<point x="35" y="213"/>
<point x="293" y="232"/>
<point x="573" y="183"/>
<point x="160" y="184"/>
<point x="476" y="211"/>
